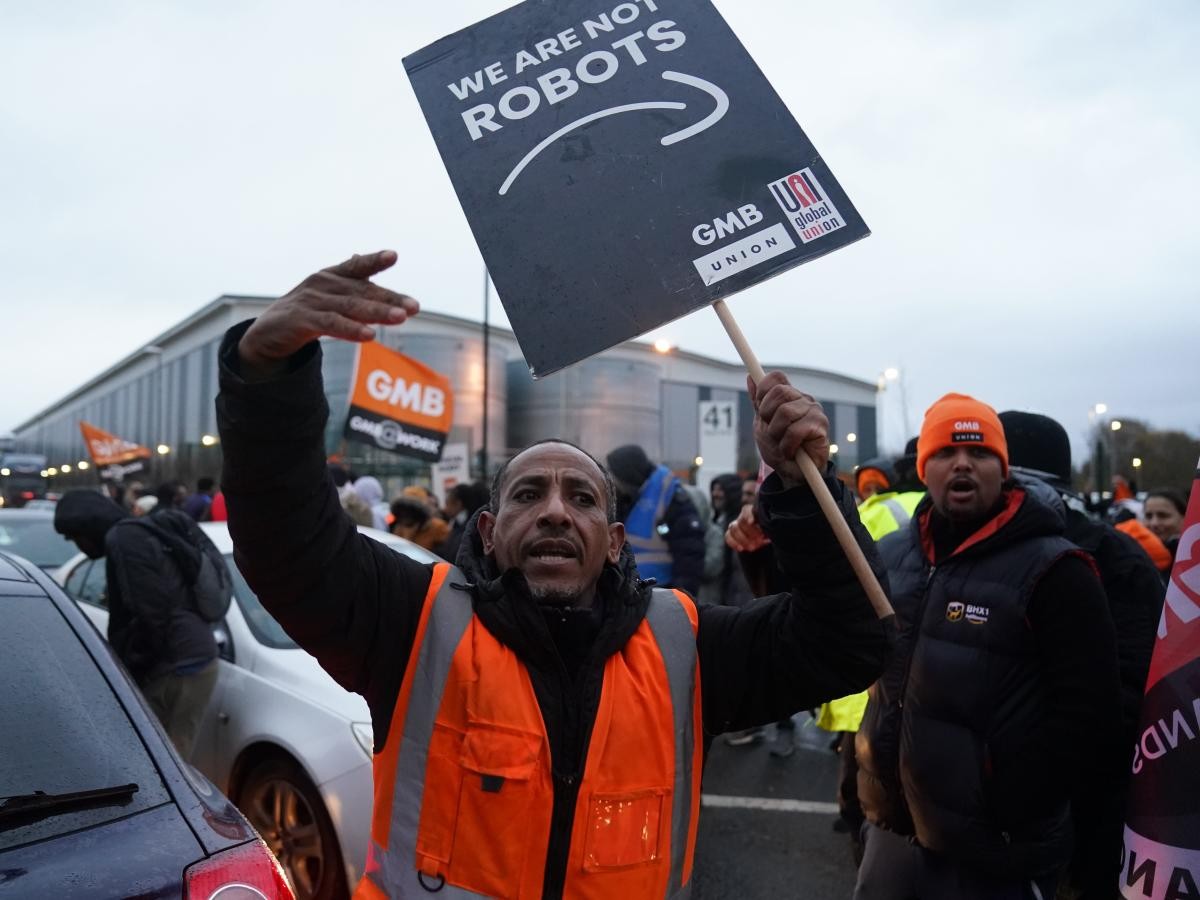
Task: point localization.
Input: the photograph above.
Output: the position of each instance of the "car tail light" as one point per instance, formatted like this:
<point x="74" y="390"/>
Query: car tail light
<point x="247" y="872"/>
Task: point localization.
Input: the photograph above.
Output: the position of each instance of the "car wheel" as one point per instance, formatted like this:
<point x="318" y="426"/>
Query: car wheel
<point x="287" y="811"/>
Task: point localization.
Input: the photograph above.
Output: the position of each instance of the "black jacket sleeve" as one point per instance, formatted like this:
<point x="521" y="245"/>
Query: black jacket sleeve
<point x="788" y="652"/>
<point x="350" y="601"/>
<point x="1077" y="653"/>
<point x="685" y="539"/>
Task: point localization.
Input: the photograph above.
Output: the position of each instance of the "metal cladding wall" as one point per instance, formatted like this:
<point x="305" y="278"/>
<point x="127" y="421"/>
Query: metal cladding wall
<point x="598" y="404"/>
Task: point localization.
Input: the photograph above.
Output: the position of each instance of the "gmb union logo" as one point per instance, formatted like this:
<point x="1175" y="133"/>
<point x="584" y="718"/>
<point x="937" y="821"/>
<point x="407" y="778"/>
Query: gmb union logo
<point x="954" y="611"/>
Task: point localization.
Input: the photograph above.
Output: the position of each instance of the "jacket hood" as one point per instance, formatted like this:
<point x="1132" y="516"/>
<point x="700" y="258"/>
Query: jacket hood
<point x="503" y="602"/>
<point x="86" y="513"/>
<point x="369" y="489"/>
<point x="630" y="465"/>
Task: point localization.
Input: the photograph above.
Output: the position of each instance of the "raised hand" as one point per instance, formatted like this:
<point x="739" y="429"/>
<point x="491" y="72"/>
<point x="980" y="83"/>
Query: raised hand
<point x="337" y="302"/>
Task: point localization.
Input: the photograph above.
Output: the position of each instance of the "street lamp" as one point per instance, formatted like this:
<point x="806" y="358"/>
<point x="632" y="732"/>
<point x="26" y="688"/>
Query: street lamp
<point x="209" y="440"/>
<point x="698" y="461"/>
<point x="1137" y="462"/>
<point x="163" y="449"/>
<point x="1115" y="425"/>
<point x="662" y="345"/>
<point x="83" y="465"/>
<point x="66" y="468"/>
<point x="851" y="438"/>
<point x="892" y="373"/>
<point x="833" y="448"/>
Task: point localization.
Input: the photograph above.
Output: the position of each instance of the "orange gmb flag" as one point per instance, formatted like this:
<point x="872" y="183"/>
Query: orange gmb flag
<point x="399" y="404"/>
<point x="1161" y="856"/>
<point x="108" y="449"/>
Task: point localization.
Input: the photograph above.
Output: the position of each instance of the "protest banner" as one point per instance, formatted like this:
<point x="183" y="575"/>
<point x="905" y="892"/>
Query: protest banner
<point x="1160" y="859"/>
<point x="398" y="404"/>
<point x="621" y="166"/>
<point x="113" y="456"/>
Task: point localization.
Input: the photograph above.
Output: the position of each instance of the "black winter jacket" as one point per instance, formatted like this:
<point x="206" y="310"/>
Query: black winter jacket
<point x="354" y="604"/>
<point x="1006" y="657"/>
<point x="152" y="623"/>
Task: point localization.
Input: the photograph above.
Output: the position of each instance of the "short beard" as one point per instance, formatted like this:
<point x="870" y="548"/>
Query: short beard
<point x="555" y="596"/>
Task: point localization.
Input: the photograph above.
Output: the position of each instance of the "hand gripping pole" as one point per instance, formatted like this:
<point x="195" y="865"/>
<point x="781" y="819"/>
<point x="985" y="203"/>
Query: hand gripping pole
<point x="816" y="483"/>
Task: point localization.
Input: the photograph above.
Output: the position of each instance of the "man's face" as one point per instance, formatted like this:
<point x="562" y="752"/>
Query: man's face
<point x="553" y="525"/>
<point x="964" y="482"/>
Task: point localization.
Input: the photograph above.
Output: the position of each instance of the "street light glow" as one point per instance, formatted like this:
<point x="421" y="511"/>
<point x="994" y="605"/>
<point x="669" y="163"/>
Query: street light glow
<point x="45" y="473"/>
<point x="1116" y="425"/>
<point x="66" y="468"/>
<point x="83" y="465"/>
<point x="699" y="461"/>
<point x="891" y="373"/>
<point x="662" y="345"/>
<point x="51" y="471"/>
<point x="1100" y="408"/>
<point x="851" y="438"/>
<point x="163" y="449"/>
<point x="5" y="472"/>
<point x="833" y="448"/>
<point x="1137" y="462"/>
<point x="208" y="440"/>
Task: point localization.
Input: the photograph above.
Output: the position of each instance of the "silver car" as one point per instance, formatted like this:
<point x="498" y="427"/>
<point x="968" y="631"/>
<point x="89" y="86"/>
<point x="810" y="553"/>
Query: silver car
<point x="281" y="738"/>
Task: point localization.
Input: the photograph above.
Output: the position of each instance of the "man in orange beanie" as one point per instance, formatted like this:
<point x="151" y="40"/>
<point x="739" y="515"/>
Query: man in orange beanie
<point x="1006" y="669"/>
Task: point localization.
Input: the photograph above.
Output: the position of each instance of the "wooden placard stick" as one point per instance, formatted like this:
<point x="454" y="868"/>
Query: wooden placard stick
<point x="816" y="483"/>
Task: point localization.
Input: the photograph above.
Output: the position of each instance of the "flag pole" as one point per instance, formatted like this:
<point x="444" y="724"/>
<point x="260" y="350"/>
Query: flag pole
<point x="858" y="561"/>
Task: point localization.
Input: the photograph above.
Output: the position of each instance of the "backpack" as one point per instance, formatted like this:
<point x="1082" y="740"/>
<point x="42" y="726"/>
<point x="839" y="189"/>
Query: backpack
<point x="199" y="561"/>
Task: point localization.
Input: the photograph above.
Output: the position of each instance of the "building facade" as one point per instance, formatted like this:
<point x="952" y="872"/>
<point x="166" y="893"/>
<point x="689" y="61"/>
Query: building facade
<point x="162" y="396"/>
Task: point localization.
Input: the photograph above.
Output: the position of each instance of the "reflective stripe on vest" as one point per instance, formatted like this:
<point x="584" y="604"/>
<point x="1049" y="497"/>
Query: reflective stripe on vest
<point x="650" y="551"/>
<point x="896" y="508"/>
<point x="463" y="789"/>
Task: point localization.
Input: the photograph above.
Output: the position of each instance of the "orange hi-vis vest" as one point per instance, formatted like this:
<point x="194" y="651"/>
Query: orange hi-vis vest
<point x="463" y="785"/>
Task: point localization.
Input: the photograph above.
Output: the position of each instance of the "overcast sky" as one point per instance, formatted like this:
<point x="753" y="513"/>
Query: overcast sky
<point x="1029" y="172"/>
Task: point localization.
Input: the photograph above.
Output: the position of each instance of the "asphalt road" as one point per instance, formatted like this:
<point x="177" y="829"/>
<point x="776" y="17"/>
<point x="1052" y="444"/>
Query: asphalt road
<point x="746" y="848"/>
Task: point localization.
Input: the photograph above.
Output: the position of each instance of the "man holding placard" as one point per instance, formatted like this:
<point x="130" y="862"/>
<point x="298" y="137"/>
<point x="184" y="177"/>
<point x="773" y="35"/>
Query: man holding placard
<point x="539" y="714"/>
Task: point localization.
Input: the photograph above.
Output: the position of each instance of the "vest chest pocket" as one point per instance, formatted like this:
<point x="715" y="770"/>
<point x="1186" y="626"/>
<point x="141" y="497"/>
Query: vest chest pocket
<point x="494" y="803"/>
<point x="624" y="829"/>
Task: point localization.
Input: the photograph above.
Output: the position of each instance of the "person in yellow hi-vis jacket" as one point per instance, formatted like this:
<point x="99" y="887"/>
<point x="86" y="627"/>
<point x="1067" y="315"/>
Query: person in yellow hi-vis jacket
<point x="889" y="500"/>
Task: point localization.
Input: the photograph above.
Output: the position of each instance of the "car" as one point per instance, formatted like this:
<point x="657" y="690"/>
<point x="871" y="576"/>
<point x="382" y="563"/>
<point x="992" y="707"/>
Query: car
<point x="29" y="533"/>
<point x="290" y="746"/>
<point x="94" y="800"/>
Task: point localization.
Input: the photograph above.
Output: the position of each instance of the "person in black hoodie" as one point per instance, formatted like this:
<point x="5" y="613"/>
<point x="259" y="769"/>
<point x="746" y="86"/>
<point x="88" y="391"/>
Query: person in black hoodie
<point x="1002" y="701"/>
<point x="542" y="570"/>
<point x="1038" y="446"/>
<point x="153" y="627"/>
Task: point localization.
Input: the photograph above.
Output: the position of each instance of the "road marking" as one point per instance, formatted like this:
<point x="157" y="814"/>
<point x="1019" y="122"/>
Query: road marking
<point x="768" y="803"/>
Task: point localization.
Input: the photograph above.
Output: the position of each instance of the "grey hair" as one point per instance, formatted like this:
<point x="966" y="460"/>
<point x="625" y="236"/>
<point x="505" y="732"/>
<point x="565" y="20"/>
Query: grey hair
<point x="610" y="487"/>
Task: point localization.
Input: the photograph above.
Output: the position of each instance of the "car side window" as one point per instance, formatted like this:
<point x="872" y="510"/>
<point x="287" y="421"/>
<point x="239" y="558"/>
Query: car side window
<point x="88" y="583"/>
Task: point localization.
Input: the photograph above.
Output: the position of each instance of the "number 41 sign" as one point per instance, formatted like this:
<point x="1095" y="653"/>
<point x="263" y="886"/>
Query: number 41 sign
<point x="718" y="439"/>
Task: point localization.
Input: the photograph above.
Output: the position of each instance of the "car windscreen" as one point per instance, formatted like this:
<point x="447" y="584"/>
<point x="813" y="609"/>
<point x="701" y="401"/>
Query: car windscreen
<point x="35" y="539"/>
<point x="263" y="625"/>
<point x="62" y="728"/>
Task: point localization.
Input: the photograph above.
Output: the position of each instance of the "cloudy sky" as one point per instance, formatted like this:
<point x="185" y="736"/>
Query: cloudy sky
<point x="1031" y="173"/>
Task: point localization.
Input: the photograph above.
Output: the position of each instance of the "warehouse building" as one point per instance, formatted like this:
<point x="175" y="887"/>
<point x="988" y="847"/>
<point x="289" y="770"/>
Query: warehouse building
<point x="162" y="396"/>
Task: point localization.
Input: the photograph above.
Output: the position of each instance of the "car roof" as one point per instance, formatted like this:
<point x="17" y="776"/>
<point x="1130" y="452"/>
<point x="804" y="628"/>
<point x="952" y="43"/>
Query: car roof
<point x="218" y="533"/>
<point x="10" y="570"/>
<point x="43" y="513"/>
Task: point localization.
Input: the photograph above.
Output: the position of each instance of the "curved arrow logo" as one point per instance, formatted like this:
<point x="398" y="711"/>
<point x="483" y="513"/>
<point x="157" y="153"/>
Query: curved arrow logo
<point x="673" y="138"/>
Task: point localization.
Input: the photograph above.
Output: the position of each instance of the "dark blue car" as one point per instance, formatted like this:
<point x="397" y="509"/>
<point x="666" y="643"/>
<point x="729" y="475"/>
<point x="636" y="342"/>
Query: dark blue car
<point x="94" y="801"/>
